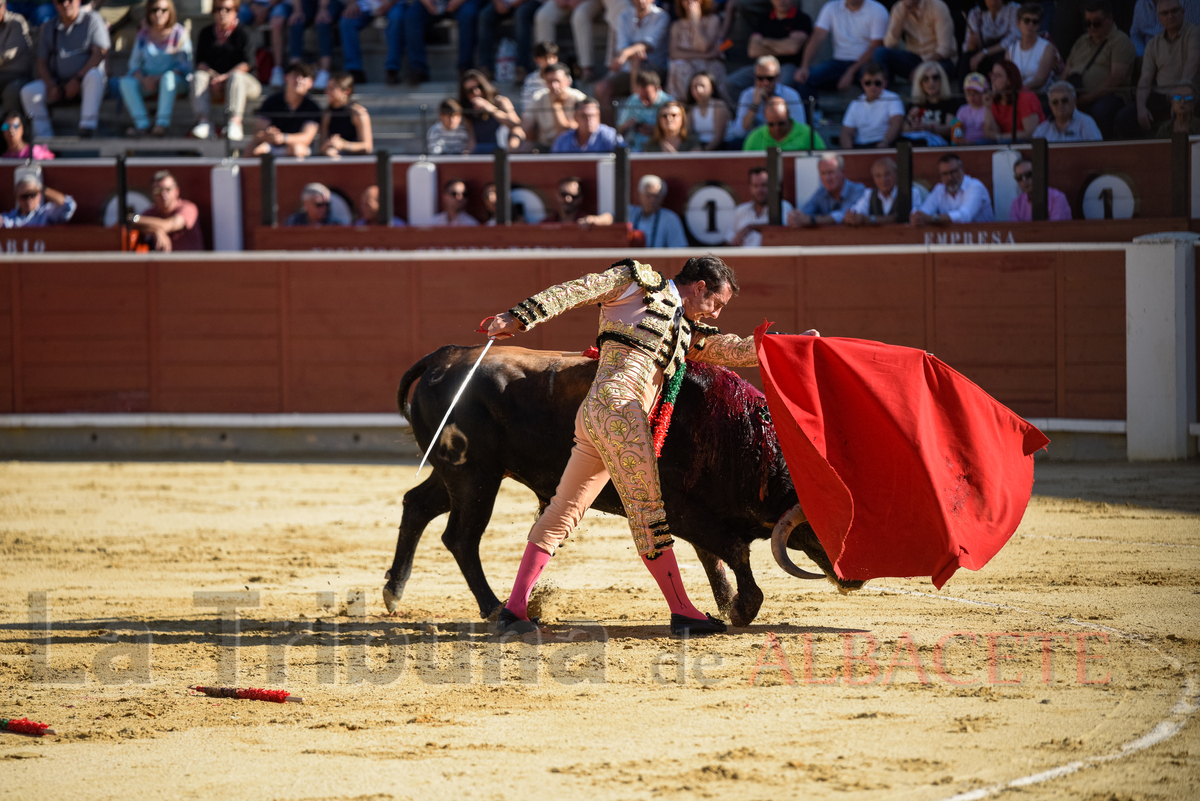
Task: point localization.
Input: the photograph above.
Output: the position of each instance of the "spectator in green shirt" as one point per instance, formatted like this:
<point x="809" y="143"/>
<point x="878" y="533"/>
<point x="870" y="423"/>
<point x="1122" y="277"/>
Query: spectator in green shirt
<point x="782" y="131"/>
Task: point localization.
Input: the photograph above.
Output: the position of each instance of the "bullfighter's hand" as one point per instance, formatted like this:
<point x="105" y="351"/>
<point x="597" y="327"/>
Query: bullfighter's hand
<point x="812" y="332"/>
<point x="503" y="326"/>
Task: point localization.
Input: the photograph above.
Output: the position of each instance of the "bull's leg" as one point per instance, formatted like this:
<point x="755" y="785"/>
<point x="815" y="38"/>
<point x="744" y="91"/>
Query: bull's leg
<point x="474" y="500"/>
<point x="421" y="505"/>
<point x="721" y="588"/>
<point x="749" y="597"/>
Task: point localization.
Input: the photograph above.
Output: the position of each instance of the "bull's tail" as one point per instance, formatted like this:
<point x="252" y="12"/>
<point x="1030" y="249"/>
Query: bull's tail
<point x="410" y="377"/>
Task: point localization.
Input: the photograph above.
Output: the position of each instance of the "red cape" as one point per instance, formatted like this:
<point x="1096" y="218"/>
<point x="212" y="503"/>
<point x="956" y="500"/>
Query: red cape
<point x="902" y="465"/>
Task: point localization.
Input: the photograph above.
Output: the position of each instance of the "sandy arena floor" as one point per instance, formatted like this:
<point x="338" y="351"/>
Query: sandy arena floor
<point x="1089" y="616"/>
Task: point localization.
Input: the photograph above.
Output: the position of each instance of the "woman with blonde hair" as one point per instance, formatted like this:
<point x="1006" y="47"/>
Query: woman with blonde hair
<point x="671" y="133"/>
<point x="159" y="65"/>
<point x="695" y="42"/>
<point x="931" y="113"/>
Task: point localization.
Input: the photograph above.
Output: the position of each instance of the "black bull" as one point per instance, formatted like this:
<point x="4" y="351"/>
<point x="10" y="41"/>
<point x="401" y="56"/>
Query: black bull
<point x="724" y="480"/>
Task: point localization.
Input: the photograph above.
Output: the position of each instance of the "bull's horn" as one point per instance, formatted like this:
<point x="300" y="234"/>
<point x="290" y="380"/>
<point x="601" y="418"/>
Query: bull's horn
<point x="779" y="539"/>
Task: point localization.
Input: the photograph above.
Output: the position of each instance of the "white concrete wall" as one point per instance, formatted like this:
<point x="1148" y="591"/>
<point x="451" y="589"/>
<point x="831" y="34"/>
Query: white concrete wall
<point x="1160" y="346"/>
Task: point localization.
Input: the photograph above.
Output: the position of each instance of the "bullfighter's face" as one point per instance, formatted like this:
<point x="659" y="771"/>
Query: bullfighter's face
<point x="699" y="303"/>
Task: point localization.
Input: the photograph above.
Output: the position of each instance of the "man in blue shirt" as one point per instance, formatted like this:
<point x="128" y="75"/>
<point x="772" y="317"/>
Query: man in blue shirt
<point x="662" y="227"/>
<point x="591" y="136"/>
<point x="1066" y="123"/>
<point x="836" y="196"/>
<point x="37" y="206"/>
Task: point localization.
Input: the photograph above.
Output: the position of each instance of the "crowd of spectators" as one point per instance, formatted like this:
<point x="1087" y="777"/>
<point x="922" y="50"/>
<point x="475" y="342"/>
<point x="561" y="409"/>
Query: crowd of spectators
<point x="995" y="62"/>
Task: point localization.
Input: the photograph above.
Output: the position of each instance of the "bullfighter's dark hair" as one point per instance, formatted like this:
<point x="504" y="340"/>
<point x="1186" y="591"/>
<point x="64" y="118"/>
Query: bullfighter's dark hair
<point x="710" y="269"/>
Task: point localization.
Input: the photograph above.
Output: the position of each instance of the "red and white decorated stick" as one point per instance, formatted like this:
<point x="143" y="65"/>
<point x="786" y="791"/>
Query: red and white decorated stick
<point x="25" y="726"/>
<point x="250" y="694"/>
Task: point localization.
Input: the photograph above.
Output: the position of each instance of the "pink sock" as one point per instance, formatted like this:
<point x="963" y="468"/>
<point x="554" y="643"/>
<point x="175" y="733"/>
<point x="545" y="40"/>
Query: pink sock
<point x="666" y="572"/>
<point x="532" y="564"/>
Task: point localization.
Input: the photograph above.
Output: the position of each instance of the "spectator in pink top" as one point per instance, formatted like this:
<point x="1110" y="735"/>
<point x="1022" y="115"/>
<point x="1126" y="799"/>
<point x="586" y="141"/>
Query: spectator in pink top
<point x="1021" y="209"/>
<point x="14" y="140"/>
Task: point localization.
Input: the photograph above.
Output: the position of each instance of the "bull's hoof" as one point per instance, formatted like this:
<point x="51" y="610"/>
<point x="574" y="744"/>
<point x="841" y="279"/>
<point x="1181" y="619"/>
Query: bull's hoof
<point x="744" y="610"/>
<point x="390" y="599"/>
<point x="845" y="587"/>
<point x="683" y="626"/>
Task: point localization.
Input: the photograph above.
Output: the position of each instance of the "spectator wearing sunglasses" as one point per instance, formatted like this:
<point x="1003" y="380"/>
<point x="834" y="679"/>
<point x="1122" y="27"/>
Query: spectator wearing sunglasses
<point x="874" y="118"/>
<point x="1021" y="209"/>
<point x="752" y="101"/>
<point x="1100" y="66"/>
<point x="1172" y="57"/>
<point x="16" y="57"/>
<point x="15" y="147"/>
<point x="1183" y="104"/>
<point x="454" y="205"/>
<point x="72" y="50"/>
<point x="316" y="208"/>
<point x="224" y="59"/>
<point x="1066" y="123"/>
<point x="172" y="223"/>
<point x="782" y="131"/>
<point x="570" y="202"/>
<point x="1035" y="57"/>
<point x="159" y="66"/>
<point x="38" y="206"/>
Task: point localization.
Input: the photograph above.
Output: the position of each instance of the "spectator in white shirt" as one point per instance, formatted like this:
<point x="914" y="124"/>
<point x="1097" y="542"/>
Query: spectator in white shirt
<point x="875" y="207"/>
<point x="875" y="118"/>
<point x="454" y="203"/>
<point x="751" y="216"/>
<point x="959" y="198"/>
<point x="857" y="28"/>
<point x="751" y="102"/>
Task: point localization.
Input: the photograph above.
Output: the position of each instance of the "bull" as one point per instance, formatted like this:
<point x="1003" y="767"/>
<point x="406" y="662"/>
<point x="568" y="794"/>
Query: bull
<point x="724" y="479"/>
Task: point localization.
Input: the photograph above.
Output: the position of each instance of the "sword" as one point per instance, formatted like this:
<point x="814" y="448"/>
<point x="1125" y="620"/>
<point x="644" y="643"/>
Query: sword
<point x="458" y="395"/>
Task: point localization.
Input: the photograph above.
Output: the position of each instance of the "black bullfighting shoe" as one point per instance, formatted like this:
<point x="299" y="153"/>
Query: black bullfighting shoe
<point x="508" y="622"/>
<point x="682" y="626"/>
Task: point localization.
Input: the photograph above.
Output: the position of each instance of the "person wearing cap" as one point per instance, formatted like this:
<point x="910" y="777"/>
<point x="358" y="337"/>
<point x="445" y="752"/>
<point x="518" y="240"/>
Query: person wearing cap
<point x="172" y="223"/>
<point x="975" y="112"/>
<point x="38" y="205"/>
<point x="315" y="208"/>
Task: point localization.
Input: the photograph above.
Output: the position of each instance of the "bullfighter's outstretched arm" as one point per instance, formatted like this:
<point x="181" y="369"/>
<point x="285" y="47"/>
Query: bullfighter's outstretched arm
<point x="729" y="350"/>
<point x="592" y="288"/>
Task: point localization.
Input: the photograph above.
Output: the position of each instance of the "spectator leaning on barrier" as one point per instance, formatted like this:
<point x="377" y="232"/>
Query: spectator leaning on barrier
<point x="159" y="66"/>
<point x="1021" y="209"/>
<point x="781" y="131"/>
<point x="671" y="134"/>
<point x="1100" y="66"/>
<point x="874" y="207"/>
<point x="570" y="201"/>
<point x="289" y="121"/>
<point x="418" y="16"/>
<point x="1183" y="106"/>
<point x="991" y="29"/>
<point x="37" y="205"/>
<point x="857" y="28"/>
<point x="662" y="227"/>
<point x="959" y="198"/>
<point x="454" y="204"/>
<point x="70" y="66"/>
<point x="874" y="118"/>
<point x="833" y="199"/>
<point x="780" y="33"/>
<point x="16" y="57"/>
<point x="359" y="14"/>
<point x="1066" y="123"/>
<point x="345" y="125"/>
<point x="551" y="113"/>
<point x="751" y="216"/>
<point x="930" y="116"/>
<point x="224" y="59"/>
<point x="368" y="208"/>
<point x="641" y="36"/>
<point x="750" y="113"/>
<point x="639" y="112"/>
<point x="448" y="136"/>
<point x="1145" y="25"/>
<point x="172" y="223"/>
<point x="926" y="30"/>
<point x="13" y="127"/>
<point x="1172" y="57"/>
<point x="590" y="135"/>
<point x="1035" y="57"/>
<point x="316" y="208"/>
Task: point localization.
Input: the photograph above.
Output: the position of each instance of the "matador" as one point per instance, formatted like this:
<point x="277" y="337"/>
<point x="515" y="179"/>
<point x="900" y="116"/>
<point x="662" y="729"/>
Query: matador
<point x="648" y="327"/>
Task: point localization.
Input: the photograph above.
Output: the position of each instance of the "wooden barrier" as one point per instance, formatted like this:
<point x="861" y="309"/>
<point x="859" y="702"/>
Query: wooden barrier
<point x="59" y="238"/>
<point x="1041" y="328"/>
<point x="547" y="235"/>
<point x="1000" y="233"/>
